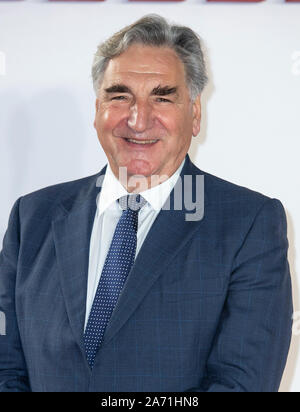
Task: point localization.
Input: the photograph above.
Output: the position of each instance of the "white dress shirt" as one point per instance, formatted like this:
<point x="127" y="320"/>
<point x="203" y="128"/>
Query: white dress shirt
<point x="107" y="216"/>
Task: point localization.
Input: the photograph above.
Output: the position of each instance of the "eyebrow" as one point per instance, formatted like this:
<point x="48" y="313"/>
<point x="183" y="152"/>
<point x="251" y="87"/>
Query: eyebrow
<point x="118" y="88"/>
<point x="157" y="91"/>
<point x="164" y="91"/>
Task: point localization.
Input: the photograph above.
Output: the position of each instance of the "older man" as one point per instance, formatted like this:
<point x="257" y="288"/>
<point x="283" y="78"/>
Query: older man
<point x="110" y="283"/>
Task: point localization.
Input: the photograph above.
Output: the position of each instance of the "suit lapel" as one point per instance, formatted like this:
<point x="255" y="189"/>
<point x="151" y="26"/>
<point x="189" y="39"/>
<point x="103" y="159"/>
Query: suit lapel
<point x="72" y="232"/>
<point x="168" y="234"/>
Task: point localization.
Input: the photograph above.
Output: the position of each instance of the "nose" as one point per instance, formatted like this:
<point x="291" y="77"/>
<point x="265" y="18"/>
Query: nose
<point x="140" y="117"/>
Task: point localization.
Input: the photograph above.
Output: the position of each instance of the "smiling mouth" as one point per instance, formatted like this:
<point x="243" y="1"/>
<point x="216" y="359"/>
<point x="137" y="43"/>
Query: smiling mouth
<point x="141" y="142"/>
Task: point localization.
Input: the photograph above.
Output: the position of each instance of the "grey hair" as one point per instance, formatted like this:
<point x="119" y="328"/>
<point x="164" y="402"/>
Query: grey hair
<point x="154" y="30"/>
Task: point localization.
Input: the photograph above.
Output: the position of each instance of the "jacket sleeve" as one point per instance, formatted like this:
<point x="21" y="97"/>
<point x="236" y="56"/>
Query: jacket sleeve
<point x="13" y="373"/>
<point x="253" y="337"/>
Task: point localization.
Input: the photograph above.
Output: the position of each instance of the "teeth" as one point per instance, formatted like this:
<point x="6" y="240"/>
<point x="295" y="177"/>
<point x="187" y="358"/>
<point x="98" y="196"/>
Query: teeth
<point x="142" y="141"/>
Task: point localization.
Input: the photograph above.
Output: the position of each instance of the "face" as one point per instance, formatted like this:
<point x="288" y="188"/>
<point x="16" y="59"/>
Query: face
<point x="145" y="119"/>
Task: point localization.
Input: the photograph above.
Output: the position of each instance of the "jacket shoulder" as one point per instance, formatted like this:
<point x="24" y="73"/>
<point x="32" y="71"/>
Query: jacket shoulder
<point x="234" y="199"/>
<point x="231" y="191"/>
<point x="43" y="201"/>
<point x="220" y="189"/>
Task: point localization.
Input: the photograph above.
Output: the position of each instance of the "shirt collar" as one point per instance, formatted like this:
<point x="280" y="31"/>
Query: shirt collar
<point x="156" y="196"/>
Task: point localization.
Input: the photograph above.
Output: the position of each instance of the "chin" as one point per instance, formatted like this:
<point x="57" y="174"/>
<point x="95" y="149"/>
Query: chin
<point x="139" y="167"/>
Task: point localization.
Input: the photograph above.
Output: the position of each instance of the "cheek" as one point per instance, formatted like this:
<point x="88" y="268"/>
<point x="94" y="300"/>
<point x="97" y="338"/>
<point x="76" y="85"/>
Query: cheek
<point x="104" y="125"/>
<point x="175" y="123"/>
<point x="108" y="118"/>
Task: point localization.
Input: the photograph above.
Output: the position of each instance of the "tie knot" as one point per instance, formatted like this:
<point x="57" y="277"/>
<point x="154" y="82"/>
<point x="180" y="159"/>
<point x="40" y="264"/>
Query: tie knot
<point x="134" y="202"/>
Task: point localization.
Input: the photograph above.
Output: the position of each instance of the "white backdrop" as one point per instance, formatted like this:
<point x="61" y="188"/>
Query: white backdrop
<point x="250" y="126"/>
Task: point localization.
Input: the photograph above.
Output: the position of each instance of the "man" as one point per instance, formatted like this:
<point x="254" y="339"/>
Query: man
<point x="113" y="282"/>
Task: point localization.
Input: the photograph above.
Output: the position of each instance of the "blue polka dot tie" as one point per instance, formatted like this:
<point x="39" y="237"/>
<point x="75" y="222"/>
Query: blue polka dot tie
<point x="118" y="263"/>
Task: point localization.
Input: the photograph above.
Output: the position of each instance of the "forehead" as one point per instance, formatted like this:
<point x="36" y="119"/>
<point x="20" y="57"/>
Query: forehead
<point x="146" y="62"/>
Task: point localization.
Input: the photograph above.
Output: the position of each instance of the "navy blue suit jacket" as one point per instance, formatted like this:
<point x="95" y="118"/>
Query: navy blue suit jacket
<point x="206" y="307"/>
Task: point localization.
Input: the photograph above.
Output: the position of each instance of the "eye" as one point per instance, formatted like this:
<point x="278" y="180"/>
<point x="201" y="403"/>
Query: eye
<point x="162" y="100"/>
<point x="119" y="98"/>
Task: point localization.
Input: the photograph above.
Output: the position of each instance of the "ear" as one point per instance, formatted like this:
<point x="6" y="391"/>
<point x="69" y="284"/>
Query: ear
<point x="196" y="115"/>
<point x="97" y="108"/>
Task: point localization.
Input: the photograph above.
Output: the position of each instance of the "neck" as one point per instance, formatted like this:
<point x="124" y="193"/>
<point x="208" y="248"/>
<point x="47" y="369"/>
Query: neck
<point x="139" y="183"/>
